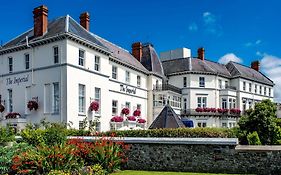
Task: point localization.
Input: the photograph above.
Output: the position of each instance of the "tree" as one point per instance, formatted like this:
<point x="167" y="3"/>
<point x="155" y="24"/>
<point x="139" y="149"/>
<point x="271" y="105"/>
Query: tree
<point x="261" y="119"/>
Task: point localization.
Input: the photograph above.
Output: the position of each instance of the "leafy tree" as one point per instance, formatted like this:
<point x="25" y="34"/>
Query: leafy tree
<point x="263" y="120"/>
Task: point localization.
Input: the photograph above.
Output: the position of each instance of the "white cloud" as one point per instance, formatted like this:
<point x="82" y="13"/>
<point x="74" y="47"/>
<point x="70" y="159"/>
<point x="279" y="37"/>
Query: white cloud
<point x="255" y="43"/>
<point x="271" y="66"/>
<point x="210" y="23"/>
<point x="193" y="27"/>
<point x="230" y="57"/>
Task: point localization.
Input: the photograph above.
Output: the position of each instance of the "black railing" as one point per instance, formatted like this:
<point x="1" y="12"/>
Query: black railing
<point x="165" y="87"/>
<point x="193" y="112"/>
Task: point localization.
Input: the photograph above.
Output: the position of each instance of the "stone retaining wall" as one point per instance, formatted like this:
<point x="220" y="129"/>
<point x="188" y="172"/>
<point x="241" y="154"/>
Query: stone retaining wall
<point x="212" y="155"/>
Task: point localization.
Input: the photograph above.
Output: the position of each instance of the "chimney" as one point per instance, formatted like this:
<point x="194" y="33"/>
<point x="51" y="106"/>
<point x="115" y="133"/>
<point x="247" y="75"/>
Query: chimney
<point x="40" y="17"/>
<point x="85" y="20"/>
<point x="201" y="53"/>
<point x="255" y="65"/>
<point x="137" y="50"/>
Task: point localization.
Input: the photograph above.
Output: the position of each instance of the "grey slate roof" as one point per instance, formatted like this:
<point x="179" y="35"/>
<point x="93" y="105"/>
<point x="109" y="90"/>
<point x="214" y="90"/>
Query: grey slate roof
<point x="167" y="119"/>
<point x="238" y="70"/>
<point x="182" y="65"/>
<point x="121" y="54"/>
<point x="55" y="27"/>
<point x="150" y="60"/>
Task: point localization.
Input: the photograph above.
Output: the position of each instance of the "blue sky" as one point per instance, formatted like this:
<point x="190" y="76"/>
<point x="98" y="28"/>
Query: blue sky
<point x="240" y="30"/>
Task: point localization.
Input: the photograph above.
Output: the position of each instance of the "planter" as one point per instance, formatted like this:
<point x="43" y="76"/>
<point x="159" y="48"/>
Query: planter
<point x="132" y="124"/>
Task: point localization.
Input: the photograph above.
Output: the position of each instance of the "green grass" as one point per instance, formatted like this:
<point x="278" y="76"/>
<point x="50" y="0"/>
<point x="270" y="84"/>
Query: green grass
<point x="132" y="172"/>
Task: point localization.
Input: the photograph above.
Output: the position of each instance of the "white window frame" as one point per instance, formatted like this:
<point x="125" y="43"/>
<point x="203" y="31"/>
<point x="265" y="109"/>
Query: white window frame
<point x="56" y="54"/>
<point x="114" y="72"/>
<point x="114" y="107"/>
<point x="220" y="84"/>
<point x="56" y="98"/>
<point x="256" y="88"/>
<point x="138" y="80"/>
<point x="10" y="63"/>
<point x="244" y="86"/>
<point x="260" y="89"/>
<point x="224" y="103"/>
<point x="81" y="60"/>
<point x="201" y="102"/>
<point x="10" y="100"/>
<point x="127" y="76"/>
<point x="202" y="124"/>
<point x="250" y="87"/>
<point x="27" y="61"/>
<point x="98" y="98"/>
<point x="81" y="98"/>
<point x="97" y="63"/>
<point x="201" y="81"/>
<point x="264" y="91"/>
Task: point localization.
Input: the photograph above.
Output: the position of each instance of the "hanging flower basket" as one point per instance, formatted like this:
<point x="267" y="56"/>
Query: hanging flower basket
<point x="141" y="120"/>
<point x="125" y="111"/>
<point x="131" y="118"/>
<point x="32" y="105"/>
<point x="137" y="113"/>
<point x="117" y="119"/>
<point x="94" y="106"/>
<point x="2" y="108"/>
<point x="12" y="115"/>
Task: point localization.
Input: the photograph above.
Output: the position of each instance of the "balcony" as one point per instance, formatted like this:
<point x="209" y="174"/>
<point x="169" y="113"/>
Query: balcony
<point x="216" y="113"/>
<point x="167" y="87"/>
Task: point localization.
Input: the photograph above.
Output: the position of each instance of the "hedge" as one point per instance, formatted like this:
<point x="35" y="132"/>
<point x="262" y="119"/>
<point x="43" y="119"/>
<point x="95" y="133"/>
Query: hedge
<point x="166" y="132"/>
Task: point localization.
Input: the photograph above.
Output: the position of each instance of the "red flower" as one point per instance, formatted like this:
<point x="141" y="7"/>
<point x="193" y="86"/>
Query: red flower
<point x="141" y="120"/>
<point x="131" y="118"/>
<point x="117" y="119"/>
<point x="32" y="105"/>
<point x="94" y="106"/>
<point x="199" y="109"/>
<point x="137" y="113"/>
<point x="125" y="111"/>
<point x="12" y="115"/>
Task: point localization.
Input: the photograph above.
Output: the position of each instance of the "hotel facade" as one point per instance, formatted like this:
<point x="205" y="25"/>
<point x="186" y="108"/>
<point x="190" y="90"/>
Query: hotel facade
<point x="64" y="68"/>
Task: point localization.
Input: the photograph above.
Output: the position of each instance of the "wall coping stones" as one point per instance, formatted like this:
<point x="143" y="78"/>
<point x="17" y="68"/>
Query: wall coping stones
<point x="257" y="148"/>
<point x="166" y="140"/>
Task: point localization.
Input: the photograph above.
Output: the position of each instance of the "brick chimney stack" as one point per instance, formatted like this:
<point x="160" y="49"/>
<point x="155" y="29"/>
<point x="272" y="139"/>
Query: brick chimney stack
<point x="40" y="17"/>
<point x="255" y="65"/>
<point x="137" y="50"/>
<point x="201" y="53"/>
<point x="85" y="20"/>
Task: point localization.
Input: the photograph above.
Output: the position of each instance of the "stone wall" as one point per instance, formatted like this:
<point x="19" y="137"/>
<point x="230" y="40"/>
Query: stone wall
<point x="212" y="155"/>
<point x="204" y="157"/>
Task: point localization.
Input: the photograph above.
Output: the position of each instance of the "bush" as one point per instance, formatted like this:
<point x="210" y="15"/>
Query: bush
<point x="54" y="134"/>
<point x="58" y="172"/>
<point x="7" y="153"/>
<point x="253" y="139"/>
<point x="178" y="132"/>
<point x="7" y="134"/>
<point x="97" y="170"/>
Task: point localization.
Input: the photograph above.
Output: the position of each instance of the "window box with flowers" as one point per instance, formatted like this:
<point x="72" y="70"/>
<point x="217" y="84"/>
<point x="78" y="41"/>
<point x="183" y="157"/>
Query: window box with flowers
<point x="32" y="105"/>
<point x="132" y="120"/>
<point x="12" y="115"/>
<point x="141" y="123"/>
<point x="116" y="122"/>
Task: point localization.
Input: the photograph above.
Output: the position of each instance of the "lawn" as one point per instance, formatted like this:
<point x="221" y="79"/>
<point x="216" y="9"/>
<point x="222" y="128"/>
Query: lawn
<point x="131" y="172"/>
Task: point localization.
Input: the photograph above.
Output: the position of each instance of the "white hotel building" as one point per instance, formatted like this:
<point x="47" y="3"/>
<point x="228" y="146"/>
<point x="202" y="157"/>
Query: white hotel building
<point x="64" y="67"/>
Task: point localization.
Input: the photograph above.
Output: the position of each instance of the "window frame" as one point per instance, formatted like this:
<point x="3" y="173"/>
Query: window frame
<point x="114" y="72"/>
<point x="27" y="61"/>
<point x="184" y="82"/>
<point x="98" y="98"/>
<point x="97" y="63"/>
<point x="201" y="81"/>
<point x="56" y="98"/>
<point x="127" y="77"/>
<point x="56" y="55"/>
<point x="81" y="98"/>
<point x="81" y="59"/>
<point x="114" y="107"/>
<point x="10" y="64"/>
<point x="138" y="80"/>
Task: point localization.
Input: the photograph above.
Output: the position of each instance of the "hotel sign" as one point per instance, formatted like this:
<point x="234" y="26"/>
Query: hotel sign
<point x="17" y="80"/>
<point x="127" y="89"/>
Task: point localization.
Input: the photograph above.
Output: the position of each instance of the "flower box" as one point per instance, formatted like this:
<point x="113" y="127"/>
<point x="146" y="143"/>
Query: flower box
<point x="117" y="119"/>
<point x="131" y="118"/>
<point x="141" y="120"/>
<point x="12" y="115"/>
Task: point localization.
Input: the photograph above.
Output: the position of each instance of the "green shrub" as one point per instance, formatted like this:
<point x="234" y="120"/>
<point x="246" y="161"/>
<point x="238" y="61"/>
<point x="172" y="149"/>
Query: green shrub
<point x="7" y="134"/>
<point x="253" y="139"/>
<point x="58" y="172"/>
<point x="178" y="132"/>
<point x="54" y="134"/>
